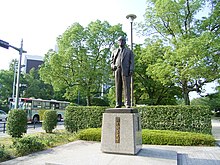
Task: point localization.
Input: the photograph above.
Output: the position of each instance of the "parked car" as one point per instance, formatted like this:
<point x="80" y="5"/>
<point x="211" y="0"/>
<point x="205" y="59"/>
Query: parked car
<point x="3" y="115"/>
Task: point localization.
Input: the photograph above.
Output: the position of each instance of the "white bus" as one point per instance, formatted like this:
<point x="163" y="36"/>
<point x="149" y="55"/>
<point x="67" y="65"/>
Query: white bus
<point x="36" y="107"/>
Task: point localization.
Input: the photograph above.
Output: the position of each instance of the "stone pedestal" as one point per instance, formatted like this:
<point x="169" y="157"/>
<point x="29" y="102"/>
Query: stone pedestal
<point x="121" y="131"/>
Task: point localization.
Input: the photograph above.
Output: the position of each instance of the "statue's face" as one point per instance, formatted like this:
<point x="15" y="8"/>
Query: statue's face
<point x="121" y="42"/>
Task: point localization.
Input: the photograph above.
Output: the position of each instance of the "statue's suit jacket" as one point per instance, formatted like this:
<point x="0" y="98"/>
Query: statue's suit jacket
<point x="127" y="60"/>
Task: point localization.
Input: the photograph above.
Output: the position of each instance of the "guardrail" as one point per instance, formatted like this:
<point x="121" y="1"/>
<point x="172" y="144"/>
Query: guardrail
<point x="3" y="127"/>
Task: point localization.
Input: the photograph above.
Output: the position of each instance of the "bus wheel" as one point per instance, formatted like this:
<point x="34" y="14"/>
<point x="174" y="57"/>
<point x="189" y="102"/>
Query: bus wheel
<point x="36" y="119"/>
<point x="59" y="117"/>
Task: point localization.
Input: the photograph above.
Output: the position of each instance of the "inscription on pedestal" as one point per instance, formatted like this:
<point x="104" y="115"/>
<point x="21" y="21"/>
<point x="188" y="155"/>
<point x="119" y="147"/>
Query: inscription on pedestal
<point x="117" y="129"/>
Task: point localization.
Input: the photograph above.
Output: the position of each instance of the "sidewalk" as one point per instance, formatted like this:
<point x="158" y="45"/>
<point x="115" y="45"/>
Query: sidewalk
<point x="216" y="130"/>
<point x="89" y="153"/>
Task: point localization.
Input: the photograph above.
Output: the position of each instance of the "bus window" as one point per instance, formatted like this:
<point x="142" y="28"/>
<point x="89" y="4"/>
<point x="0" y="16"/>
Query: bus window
<point x="27" y="106"/>
<point x="63" y="105"/>
<point x="47" y="105"/>
<point x="37" y="104"/>
<point x="57" y="106"/>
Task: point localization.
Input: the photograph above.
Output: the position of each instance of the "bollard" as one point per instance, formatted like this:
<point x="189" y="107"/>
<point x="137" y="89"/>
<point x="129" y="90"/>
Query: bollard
<point x="34" y="124"/>
<point x="4" y="128"/>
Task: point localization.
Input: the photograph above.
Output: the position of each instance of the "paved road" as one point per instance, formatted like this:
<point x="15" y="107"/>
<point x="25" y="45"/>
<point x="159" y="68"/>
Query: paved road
<point x="31" y="128"/>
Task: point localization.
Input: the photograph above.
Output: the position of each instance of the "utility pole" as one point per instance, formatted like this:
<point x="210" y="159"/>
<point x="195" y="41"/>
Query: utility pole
<point x="6" y="45"/>
<point x="14" y="84"/>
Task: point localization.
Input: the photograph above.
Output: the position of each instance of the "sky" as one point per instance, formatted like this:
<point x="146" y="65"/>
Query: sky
<point x="40" y="22"/>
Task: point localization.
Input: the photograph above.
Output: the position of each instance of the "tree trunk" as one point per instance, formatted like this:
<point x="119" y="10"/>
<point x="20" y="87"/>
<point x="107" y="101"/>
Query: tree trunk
<point x="185" y="92"/>
<point x="88" y="100"/>
<point x="186" y="98"/>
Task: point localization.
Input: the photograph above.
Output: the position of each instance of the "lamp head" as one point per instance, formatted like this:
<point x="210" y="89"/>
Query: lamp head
<point x="131" y="17"/>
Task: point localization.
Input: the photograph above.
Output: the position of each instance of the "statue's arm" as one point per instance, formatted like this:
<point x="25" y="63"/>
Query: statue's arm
<point x="113" y="67"/>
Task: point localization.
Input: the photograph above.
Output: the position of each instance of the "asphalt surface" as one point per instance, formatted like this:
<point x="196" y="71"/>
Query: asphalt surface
<point x="89" y="153"/>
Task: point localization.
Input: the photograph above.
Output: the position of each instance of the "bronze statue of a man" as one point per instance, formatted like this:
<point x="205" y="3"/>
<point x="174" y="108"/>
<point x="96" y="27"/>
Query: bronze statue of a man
<point x="122" y="63"/>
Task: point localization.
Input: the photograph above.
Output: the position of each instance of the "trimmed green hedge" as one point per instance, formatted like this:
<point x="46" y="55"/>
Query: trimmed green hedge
<point x="90" y="134"/>
<point x="157" y="137"/>
<point x="81" y="117"/>
<point x="167" y="137"/>
<point x="179" y="118"/>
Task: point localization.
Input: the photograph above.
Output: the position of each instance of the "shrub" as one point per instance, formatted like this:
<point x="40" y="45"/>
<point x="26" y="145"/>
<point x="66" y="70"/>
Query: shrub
<point x="3" y="154"/>
<point x="157" y="137"/>
<point x="82" y="117"/>
<point x="27" y="145"/>
<point x="49" y="120"/>
<point x="178" y="118"/>
<point x="90" y="134"/>
<point x="41" y="114"/>
<point x="165" y="137"/>
<point x="17" y="123"/>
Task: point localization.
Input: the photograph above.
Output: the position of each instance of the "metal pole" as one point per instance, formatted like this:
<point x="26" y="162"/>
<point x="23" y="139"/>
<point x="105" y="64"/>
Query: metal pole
<point x="18" y="76"/>
<point x="15" y="69"/>
<point x="131" y="17"/>
<point x="132" y="83"/>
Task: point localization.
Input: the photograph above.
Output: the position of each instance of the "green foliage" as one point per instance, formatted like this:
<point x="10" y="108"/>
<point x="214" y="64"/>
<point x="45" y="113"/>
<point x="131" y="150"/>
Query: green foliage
<point x="82" y="62"/>
<point x="36" y="87"/>
<point x="189" y="48"/>
<point x="6" y="81"/>
<point x="27" y="145"/>
<point x="147" y="90"/>
<point x="111" y="96"/>
<point x="4" y="155"/>
<point x="16" y="123"/>
<point x="41" y="113"/>
<point x="83" y="117"/>
<point x="56" y="138"/>
<point x="157" y="137"/>
<point x="90" y="134"/>
<point x="32" y="143"/>
<point x="165" y="137"/>
<point x="49" y="120"/>
<point x="179" y="118"/>
<point x="99" y="102"/>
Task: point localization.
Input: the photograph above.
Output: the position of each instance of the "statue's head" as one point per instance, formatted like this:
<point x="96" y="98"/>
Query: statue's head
<point x="121" y="41"/>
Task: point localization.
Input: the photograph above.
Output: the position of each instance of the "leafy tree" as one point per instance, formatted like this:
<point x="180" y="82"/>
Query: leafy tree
<point x="82" y="61"/>
<point x="6" y="83"/>
<point x="189" y="58"/>
<point x="147" y="90"/>
<point x="36" y="88"/>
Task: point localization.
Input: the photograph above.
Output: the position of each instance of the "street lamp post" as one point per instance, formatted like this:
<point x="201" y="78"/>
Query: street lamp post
<point x="131" y="17"/>
<point x="14" y="84"/>
<point x="6" y="45"/>
<point x="18" y="75"/>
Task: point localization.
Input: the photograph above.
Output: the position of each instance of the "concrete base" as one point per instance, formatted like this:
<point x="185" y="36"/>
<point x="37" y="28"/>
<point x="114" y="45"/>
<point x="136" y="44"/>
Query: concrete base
<point x="121" y="131"/>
